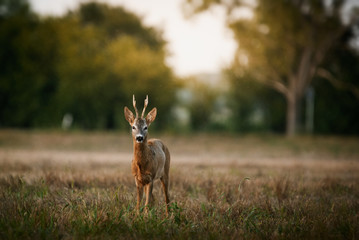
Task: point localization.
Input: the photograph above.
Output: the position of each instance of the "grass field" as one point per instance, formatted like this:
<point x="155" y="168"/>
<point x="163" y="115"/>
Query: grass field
<point x="56" y="185"/>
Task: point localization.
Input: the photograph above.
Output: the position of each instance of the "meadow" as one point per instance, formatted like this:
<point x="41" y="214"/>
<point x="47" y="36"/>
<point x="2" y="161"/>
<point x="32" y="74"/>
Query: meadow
<point x="65" y="185"/>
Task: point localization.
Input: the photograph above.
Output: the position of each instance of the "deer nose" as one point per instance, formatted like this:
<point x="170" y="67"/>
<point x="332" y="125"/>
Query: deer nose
<point x="139" y="138"/>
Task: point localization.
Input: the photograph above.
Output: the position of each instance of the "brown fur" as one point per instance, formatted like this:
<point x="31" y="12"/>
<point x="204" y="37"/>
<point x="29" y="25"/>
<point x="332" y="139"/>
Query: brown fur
<point x="151" y="159"/>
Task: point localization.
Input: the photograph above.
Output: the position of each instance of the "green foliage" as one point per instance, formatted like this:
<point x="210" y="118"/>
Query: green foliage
<point x="95" y="59"/>
<point x="27" y="78"/>
<point x="337" y="101"/>
<point x="329" y="114"/>
<point x="203" y="99"/>
<point x="13" y="7"/>
<point x="255" y="107"/>
<point x="202" y="105"/>
<point x="116" y="21"/>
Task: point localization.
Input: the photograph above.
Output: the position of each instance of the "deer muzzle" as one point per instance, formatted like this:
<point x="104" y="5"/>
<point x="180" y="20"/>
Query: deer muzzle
<point x="139" y="138"/>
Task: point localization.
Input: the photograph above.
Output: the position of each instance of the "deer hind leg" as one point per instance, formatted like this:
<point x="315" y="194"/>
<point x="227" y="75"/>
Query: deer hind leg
<point x="148" y="190"/>
<point x="153" y="199"/>
<point x="165" y="182"/>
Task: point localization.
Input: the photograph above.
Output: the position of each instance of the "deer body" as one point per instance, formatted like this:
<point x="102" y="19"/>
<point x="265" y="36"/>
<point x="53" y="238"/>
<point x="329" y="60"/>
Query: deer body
<point x="151" y="159"/>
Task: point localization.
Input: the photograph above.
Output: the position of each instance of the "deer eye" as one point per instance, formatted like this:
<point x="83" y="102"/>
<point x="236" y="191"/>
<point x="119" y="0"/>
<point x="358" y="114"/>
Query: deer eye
<point x="145" y="128"/>
<point x="133" y="127"/>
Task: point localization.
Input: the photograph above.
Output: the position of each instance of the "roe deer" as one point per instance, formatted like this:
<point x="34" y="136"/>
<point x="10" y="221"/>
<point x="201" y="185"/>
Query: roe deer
<point x="151" y="158"/>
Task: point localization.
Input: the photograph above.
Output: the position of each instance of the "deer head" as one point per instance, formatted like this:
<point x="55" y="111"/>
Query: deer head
<point x="140" y="125"/>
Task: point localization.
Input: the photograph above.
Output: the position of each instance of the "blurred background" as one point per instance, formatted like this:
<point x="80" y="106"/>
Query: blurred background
<point x="282" y="66"/>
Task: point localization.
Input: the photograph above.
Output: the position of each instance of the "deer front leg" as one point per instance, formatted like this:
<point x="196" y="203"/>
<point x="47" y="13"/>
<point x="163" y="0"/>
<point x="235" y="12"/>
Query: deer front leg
<point x="148" y="189"/>
<point x="139" y="197"/>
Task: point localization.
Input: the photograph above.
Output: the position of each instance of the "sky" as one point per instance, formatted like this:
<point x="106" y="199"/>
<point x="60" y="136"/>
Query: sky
<point x="200" y="44"/>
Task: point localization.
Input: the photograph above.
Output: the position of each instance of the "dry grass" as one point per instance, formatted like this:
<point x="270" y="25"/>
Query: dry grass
<point x="78" y="185"/>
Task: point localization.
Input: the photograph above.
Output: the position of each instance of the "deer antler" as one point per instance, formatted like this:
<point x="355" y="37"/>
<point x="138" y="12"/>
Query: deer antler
<point x="134" y="105"/>
<point x="144" y="107"/>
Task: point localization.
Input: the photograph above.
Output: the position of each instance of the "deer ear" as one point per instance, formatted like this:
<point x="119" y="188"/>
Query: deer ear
<point x="151" y="116"/>
<point x="129" y="116"/>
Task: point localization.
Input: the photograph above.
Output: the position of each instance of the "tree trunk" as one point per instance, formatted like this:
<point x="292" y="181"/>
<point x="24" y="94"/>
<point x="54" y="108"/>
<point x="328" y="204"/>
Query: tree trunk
<point x="291" y="126"/>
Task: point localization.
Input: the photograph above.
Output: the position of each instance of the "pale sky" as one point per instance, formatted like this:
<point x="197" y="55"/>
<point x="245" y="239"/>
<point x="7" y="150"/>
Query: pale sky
<point x="201" y="44"/>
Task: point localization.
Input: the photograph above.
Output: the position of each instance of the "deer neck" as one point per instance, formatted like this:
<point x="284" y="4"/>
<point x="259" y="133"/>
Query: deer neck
<point x="140" y="151"/>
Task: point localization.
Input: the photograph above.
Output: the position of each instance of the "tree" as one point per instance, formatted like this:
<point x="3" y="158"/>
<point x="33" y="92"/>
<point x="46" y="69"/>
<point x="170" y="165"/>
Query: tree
<point x="284" y="43"/>
<point x="27" y="76"/>
<point x="116" y="21"/>
<point x="108" y="55"/>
